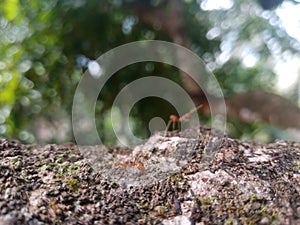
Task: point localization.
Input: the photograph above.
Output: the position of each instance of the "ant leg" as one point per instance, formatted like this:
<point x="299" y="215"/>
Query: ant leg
<point x="168" y="126"/>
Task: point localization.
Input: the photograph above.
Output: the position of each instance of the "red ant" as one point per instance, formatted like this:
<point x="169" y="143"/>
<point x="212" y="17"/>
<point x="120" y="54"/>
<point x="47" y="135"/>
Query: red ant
<point x="175" y="119"/>
<point x="136" y="163"/>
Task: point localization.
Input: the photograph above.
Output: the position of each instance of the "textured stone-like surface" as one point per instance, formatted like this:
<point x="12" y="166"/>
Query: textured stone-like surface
<point x="244" y="183"/>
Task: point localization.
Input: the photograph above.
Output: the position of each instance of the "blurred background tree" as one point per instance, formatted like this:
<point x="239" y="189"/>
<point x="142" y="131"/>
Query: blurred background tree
<point x="45" y="46"/>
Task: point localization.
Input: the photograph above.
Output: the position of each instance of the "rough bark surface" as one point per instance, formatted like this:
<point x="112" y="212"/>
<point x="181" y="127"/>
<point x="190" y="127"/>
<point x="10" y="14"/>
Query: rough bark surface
<point x="240" y="183"/>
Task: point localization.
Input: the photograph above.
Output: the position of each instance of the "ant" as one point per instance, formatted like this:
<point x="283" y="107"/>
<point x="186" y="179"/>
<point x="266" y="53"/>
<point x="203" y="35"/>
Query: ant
<point x="175" y="119"/>
<point x="135" y="163"/>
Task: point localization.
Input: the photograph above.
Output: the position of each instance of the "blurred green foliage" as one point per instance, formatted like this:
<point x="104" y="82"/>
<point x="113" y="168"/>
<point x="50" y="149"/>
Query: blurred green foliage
<point x="46" y="45"/>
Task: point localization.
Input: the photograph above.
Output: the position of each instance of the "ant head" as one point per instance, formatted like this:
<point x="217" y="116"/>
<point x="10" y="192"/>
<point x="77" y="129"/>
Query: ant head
<point x="173" y="118"/>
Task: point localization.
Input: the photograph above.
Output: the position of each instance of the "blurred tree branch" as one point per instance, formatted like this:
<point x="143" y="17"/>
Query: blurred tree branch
<point x="271" y="4"/>
<point x="246" y="107"/>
